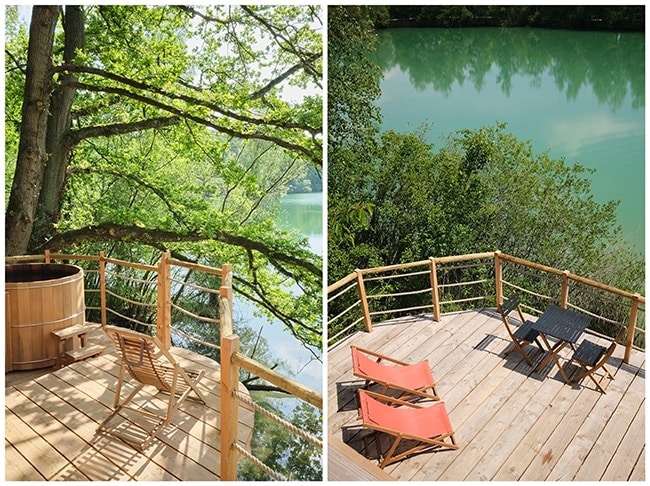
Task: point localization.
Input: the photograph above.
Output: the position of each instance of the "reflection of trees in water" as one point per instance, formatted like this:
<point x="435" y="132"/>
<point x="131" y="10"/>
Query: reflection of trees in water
<point x="611" y="63"/>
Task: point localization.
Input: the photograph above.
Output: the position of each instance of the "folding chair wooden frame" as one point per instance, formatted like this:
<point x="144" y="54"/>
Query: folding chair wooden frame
<point x="427" y="426"/>
<point x="522" y="335"/>
<point x="139" y="355"/>
<point x="410" y="379"/>
<point x="591" y="357"/>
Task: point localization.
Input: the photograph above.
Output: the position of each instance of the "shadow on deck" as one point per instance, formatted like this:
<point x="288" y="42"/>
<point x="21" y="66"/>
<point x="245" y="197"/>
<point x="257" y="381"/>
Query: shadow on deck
<point x="51" y="418"/>
<point x="511" y="422"/>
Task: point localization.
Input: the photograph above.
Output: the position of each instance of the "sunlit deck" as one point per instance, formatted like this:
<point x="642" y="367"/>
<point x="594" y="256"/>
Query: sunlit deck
<point x="51" y="418"/>
<point x="511" y="423"/>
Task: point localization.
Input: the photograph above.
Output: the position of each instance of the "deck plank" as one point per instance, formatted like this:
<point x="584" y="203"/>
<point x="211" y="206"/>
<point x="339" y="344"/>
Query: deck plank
<point x="628" y="450"/>
<point x="512" y="423"/>
<point x="26" y="440"/>
<point x="21" y="469"/>
<point x="614" y="431"/>
<point x="52" y="417"/>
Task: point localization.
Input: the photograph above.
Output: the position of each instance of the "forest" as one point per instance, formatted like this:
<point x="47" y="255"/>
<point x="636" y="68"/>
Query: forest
<point x="137" y="129"/>
<point x="394" y="199"/>
<point x="581" y="17"/>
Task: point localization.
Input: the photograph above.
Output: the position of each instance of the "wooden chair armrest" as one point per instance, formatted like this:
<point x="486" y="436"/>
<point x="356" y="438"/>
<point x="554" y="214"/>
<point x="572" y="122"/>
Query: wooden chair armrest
<point x="382" y="356"/>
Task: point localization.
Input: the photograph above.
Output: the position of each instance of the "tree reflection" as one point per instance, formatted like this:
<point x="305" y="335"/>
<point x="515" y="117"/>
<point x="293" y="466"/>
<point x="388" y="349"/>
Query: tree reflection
<point x="610" y="63"/>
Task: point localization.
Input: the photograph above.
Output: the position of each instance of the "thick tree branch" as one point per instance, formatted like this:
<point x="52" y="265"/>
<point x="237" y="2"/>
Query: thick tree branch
<point x="285" y="124"/>
<point x="253" y="135"/>
<point x="154" y="236"/>
<point x="80" y="134"/>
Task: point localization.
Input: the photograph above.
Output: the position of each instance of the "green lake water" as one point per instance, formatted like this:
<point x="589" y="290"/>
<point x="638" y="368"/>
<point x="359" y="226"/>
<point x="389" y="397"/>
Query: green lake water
<point x="579" y="95"/>
<point x="302" y="212"/>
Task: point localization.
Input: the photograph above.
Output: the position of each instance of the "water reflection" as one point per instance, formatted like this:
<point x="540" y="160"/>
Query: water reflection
<point x="607" y="63"/>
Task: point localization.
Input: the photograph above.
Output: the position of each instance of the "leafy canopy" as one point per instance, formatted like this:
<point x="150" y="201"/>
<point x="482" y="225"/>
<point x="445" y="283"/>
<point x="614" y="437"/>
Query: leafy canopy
<point x="186" y="127"/>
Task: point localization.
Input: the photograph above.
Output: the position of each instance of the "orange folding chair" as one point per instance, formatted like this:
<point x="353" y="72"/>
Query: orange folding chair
<point x="410" y="379"/>
<point x="420" y="428"/>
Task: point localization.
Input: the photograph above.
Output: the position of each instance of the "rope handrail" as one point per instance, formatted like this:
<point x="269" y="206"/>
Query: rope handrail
<point x="363" y="280"/>
<point x="130" y="319"/>
<point x="194" y="339"/>
<point x="194" y="286"/>
<point x="129" y="278"/>
<point x="124" y="263"/>
<point x="296" y="430"/>
<point x="134" y="302"/>
<point x="211" y="320"/>
<point x="275" y="475"/>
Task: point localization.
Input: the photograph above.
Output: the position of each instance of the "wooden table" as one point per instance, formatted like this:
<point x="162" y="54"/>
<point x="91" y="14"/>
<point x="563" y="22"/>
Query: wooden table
<point x="564" y="325"/>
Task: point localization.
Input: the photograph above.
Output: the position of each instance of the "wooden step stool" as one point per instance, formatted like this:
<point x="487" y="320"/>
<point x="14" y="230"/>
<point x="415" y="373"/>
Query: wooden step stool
<point x="69" y="352"/>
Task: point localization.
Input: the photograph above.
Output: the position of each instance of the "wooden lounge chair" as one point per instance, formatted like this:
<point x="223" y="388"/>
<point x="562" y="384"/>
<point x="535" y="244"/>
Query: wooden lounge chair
<point x="419" y="428"/>
<point x="522" y="335"/>
<point x="591" y="357"/>
<point x="410" y="379"/>
<point x="144" y="358"/>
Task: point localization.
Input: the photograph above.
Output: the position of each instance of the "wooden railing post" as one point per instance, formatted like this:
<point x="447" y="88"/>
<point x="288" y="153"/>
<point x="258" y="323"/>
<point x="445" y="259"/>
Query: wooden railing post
<point x="225" y="301"/>
<point x="225" y="317"/>
<point x="47" y="256"/>
<point x="631" y="327"/>
<point x="433" y="275"/>
<point x="364" y="300"/>
<point x="564" y="293"/>
<point x="229" y="408"/>
<point x="498" y="277"/>
<point x="102" y="288"/>
<point x="163" y="321"/>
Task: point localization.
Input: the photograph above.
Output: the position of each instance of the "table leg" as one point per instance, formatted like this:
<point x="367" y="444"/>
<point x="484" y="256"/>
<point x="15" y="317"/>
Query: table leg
<point x="553" y="352"/>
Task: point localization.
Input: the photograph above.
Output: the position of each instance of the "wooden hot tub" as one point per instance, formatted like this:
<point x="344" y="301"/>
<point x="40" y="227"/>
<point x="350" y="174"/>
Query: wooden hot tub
<point x="40" y="298"/>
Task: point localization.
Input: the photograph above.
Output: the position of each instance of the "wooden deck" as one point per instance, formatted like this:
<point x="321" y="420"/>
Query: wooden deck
<point x="511" y="423"/>
<point x="51" y="419"/>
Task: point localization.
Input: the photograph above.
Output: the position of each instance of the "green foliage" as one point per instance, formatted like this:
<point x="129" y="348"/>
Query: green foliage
<point x="243" y="86"/>
<point x="576" y="17"/>
<point x="484" y="190"/>
<point x="393" y="199"/>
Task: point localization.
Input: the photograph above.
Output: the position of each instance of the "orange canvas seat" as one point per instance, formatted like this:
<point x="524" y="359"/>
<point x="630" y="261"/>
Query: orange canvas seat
<point x="392" y="373"/>
<point x="420" y="428"/>
<point x="149" y="363"/>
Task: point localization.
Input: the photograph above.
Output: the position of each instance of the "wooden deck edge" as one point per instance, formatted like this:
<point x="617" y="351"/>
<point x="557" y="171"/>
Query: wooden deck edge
<point x="346" y="464"/>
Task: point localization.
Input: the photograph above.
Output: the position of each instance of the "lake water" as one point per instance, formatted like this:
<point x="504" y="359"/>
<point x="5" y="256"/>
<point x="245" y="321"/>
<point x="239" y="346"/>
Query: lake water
<point x="579" y="95"/>
<point x="305" y="213"/>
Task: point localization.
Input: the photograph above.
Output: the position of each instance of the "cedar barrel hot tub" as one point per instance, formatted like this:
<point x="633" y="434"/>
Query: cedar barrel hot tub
<point x="40" y="298"/>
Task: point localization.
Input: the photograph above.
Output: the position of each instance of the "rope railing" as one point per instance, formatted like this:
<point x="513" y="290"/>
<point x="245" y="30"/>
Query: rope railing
<point x="194" y="316"/>
<point x="159" y="300"/>
<point x="451" y="288"/>
<point x="245" y="453"/>
<point x="279" y="420"/>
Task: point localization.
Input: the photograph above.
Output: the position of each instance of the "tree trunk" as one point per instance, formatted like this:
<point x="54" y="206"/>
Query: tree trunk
<point x="58" y="142"/>
<point x="32" y="154"/>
